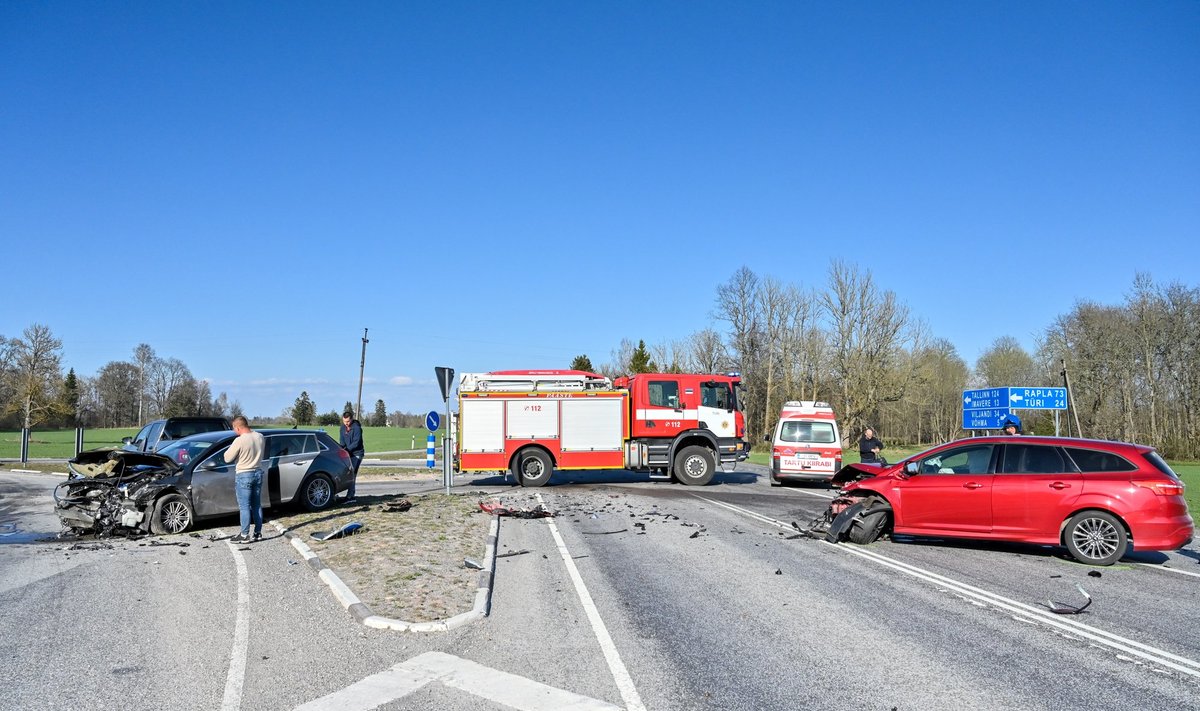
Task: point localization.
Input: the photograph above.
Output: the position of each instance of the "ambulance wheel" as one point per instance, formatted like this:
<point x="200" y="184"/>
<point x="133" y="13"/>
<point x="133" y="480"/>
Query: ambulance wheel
<point x="532" y="467"/>
<point x="695" y="465"/>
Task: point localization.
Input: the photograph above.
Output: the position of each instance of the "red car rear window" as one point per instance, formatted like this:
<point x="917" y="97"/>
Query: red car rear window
<point x="1161" y="464"/>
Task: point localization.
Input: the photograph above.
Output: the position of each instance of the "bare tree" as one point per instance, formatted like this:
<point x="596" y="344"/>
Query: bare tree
<point x="166" y="376"/>
<point x="870" y="332"/>
<point x="116" y="389"/>
<point x="1006" y="363"/>
<point x="143" y="357"/>
<point x="706" y="352"/>
<point x="35" y="376"/>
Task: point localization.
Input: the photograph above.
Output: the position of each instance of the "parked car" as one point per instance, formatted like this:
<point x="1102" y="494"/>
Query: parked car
<point x="1098" y="499"/>
<point x="158" y="433"/>
<point x="118" y="491"/>
<point x="806" y="444"/>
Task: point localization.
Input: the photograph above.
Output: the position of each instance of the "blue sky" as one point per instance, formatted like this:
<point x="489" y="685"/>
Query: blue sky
<point x="245" y="186"/>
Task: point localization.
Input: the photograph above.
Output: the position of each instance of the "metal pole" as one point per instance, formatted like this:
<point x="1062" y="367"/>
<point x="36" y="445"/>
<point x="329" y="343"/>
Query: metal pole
<point x="1071" y="400"/>
<point x="362" y="366"/>
<point x="25" y="445"/>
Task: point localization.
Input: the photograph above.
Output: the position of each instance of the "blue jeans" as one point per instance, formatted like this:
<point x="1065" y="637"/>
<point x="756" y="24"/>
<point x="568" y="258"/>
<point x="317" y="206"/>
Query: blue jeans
<point x="249" y="498"/>
<point x="355" y="460"/>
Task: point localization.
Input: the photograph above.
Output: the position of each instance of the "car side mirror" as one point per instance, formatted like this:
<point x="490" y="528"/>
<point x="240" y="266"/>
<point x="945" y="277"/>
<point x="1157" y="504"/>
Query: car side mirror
<point x="767" y="437"/>
<point x="126" y="440"/>
<point x="911" y="468"/>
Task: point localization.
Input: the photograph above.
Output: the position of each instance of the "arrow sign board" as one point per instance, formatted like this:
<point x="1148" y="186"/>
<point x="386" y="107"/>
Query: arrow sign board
<point x="985" y="409"/>
<point x="432" y="420"/>
<point x="1036" y="398"/>
<point x="989" y="419"/>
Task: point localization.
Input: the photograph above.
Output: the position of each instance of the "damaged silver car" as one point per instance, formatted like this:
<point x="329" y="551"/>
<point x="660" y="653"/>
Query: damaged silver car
<point x="116" y="492"/>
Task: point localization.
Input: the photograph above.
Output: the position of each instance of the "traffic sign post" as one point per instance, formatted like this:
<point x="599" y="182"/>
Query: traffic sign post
<point x="987" y="408"/>
<point x="445" y="378"/>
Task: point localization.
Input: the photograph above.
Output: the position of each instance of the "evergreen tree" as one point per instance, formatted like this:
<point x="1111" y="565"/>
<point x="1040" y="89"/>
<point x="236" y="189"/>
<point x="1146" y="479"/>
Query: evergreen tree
<point x="70" y="395"/>
<point x="379" y="419"/>
<point x="582" y="362"/>
<point x="639" y="361"/>
<point x="304" y="411"/>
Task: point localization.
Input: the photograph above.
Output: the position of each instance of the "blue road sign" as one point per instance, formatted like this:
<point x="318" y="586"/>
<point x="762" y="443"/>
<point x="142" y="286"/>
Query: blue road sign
<point x="985" y="399"/>
<point x="432" y="420"/>
<point x="1037" y="398"/>
<point x="989" y="419"/>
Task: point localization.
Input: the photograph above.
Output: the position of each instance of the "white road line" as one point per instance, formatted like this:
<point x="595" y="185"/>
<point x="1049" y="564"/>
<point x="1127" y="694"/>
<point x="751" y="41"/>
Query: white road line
<point x="1157" y="566"/>
<point x="1151" y="654"/>
<point x="510" y="690"/>
<point x="633" y="700"/>
<point x="241" y="637"/>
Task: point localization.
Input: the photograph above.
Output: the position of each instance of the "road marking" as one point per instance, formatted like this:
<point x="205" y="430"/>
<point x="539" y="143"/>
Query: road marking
<point x="1151" y="654"/>
<point x="629" y="693"/>
<point x="1159" y="566"/>
<point x="241" y="637"/>
<point x="492" y="684"/>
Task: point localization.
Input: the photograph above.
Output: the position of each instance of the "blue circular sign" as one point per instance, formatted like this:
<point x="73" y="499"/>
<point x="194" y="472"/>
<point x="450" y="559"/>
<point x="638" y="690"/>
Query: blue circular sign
<point x="432" y="421"/>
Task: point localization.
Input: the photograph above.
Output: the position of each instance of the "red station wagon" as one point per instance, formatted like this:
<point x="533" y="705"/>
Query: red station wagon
<point x="1099" y="499"/>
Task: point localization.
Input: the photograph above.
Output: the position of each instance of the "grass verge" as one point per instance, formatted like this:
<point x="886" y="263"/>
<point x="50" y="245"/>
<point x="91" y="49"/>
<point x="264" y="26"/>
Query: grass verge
<point x="404" y="565"/>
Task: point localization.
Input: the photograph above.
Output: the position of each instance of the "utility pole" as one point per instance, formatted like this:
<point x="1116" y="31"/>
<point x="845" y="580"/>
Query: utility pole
<point x="362" y="366"/>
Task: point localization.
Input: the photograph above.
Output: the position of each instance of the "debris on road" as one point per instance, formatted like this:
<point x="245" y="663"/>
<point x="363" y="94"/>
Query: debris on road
<point x="396" y="506"/>
<point x="348" y="530"/>
<point x="473" y="565"/>
<point x="1064" y="609"/>
<point x="494" y="507"/>
<point x="510" y="554"/>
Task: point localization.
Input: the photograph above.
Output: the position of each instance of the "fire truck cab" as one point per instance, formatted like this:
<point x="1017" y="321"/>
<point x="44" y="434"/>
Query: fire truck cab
<point x="530" y="422"/>
<point x="806" y="445"/>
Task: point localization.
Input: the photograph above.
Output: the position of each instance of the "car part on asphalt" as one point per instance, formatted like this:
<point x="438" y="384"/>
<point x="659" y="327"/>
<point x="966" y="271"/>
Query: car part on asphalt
<point x="1064" y="609"/>
<point x="495" y="508"/>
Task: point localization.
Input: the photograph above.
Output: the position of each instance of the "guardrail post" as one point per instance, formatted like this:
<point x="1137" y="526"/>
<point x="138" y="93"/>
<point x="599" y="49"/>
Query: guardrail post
<point x="78" y="440"/>
<point x="24" y="445"/>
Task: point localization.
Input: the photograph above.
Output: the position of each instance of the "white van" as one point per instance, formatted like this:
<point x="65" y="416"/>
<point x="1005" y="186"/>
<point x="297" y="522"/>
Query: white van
<point x="806" y="445"/>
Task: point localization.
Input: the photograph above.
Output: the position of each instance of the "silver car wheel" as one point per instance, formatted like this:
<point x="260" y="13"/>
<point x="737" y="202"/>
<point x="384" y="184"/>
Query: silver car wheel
<point x="175" y="516"/>
<point x="318" y="492"/>
<point x="1095" y="538"/>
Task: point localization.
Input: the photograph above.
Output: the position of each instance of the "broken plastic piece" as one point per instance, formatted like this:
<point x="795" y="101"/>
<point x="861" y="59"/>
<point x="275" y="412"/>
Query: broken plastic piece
<point x="1064" y="609"/>
<point x="348" y="530"/>
<point x="468" y="563"/>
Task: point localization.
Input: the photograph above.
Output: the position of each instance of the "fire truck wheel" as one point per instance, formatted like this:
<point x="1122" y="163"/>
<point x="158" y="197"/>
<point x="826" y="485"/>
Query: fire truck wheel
<point x="532" y="467"/>
<point x="695" y="465"/>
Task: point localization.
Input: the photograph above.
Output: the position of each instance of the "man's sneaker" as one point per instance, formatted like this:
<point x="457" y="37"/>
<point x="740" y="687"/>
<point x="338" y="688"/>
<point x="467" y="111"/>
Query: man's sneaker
<point x="240" y="538"/>
<point x="257" y="537"/>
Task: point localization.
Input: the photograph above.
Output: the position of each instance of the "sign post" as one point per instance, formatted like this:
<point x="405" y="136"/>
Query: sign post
<point x="445" y="377"/>
<point x="986" y="409"/>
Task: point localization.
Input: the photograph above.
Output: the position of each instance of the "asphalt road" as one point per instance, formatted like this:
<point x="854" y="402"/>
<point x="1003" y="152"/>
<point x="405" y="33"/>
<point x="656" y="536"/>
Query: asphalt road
<point x="638" y="594"/>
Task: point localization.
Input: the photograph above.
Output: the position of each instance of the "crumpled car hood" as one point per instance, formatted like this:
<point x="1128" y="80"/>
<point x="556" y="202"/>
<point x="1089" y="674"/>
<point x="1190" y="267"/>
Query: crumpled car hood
<point x="102" y="463"/>
<point x="857" y="472"/>
<point x="109" y="491"/>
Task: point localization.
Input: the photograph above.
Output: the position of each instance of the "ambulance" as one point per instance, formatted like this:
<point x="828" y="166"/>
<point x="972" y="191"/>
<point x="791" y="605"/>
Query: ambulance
<point x="806" y="444"/>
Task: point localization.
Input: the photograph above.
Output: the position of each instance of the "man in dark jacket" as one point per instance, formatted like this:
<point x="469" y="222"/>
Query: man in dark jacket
<point x="352" y="441"/>
<point x="869" y="446"/>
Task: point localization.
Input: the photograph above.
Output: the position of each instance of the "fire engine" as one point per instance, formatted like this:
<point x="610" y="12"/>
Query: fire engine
<point x="530" y="422"/>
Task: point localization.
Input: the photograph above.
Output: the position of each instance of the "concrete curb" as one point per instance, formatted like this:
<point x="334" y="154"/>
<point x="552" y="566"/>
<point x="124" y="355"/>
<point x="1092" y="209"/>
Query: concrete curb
<point x="363" y="615"/>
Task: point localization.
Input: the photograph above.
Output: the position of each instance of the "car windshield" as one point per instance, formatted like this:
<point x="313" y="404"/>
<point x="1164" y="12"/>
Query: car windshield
<point x="185" y="450"/>
<point x="810" y="432"/>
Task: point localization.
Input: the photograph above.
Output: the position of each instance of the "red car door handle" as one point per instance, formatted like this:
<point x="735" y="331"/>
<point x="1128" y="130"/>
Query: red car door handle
<point x="1060" y="485"/>
<point x="972" y="485"/>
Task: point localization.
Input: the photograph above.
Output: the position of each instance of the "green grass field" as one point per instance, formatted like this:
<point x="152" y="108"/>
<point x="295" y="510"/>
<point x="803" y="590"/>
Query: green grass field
<point x="60" y="444"/>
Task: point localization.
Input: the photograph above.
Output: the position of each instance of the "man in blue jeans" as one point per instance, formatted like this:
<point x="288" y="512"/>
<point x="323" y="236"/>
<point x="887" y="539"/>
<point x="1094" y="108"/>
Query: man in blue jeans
<point x="352" y="442"/>
<point x="246" y="454"/>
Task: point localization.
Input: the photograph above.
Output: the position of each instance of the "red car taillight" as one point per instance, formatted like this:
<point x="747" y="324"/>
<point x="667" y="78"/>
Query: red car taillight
<point x="1160" y="487"/>
<point x="344" y="455"/>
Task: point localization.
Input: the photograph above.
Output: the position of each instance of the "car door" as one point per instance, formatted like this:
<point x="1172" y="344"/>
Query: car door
<point x="950" y="493"/>
<point x="664" y="412"/>
<point x="289" y="456"/>
<point x="1033" y="491"/>
<point x="213" y="485"/>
